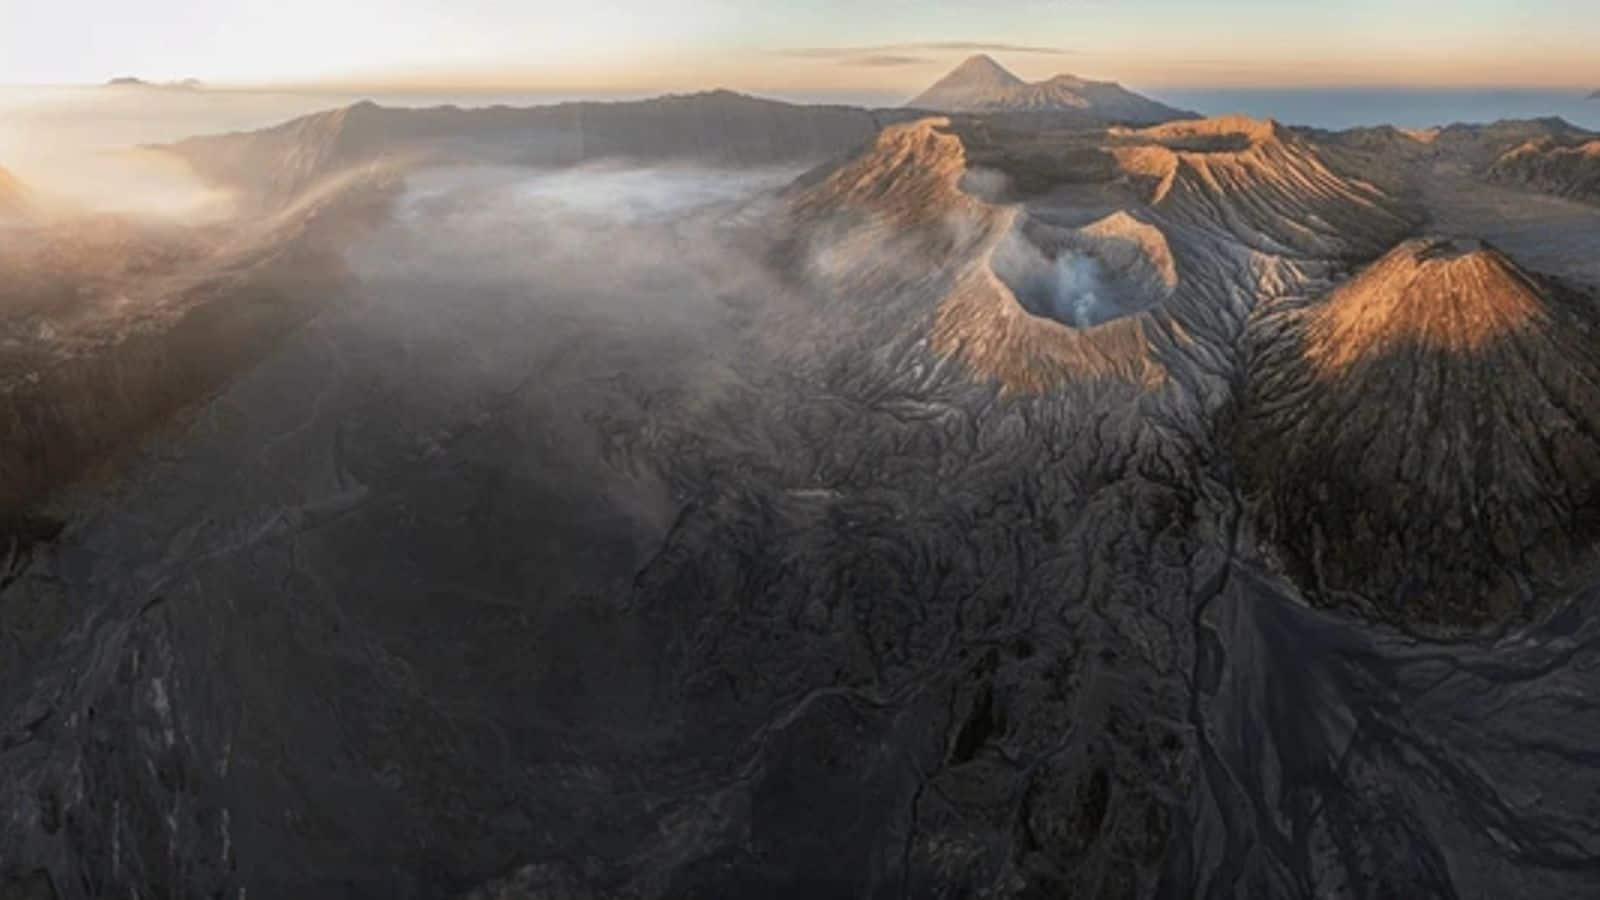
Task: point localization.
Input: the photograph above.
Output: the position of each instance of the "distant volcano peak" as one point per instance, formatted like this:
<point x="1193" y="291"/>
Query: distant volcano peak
<point x="980" y="84"/>
<point x="981" y="68"/>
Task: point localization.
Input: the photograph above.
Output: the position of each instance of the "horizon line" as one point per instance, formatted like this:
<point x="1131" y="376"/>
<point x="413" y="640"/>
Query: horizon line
<point x="445" y="87"/>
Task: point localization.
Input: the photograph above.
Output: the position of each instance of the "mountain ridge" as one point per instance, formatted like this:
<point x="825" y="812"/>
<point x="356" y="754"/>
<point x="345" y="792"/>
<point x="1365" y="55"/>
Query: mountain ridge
<point x="718" y="127"/>
<point x="183" y="84"/>
<point x="1552" y="166"/>
<point x="981" y="85"/>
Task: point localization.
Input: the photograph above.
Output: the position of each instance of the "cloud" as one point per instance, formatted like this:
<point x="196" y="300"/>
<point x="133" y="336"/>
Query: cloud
<point x="884" y="60"/>
<point x="967" y="47"/>
<point x="901" y="52"/>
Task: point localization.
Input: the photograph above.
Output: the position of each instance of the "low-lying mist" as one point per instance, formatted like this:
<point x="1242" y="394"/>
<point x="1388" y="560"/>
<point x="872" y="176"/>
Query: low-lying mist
<point x="456" y="463"/>
<point x="79" y="149"/>
<point x="544" y="313"/>
<point x="471" y="409"/>
<point x="646" y="243"/>
<point x="131" y="181"/>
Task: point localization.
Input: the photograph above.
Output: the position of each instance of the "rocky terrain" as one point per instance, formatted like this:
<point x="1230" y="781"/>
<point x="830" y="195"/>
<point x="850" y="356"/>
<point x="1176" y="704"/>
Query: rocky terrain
<point x="981" y="85"/>
<point x="993" y="509"/>
<point x="1441" y="409"/>
<point x="1566" y="170"/>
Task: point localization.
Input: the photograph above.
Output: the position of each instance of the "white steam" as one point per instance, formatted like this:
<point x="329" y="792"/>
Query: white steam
<point x="1080" y="295"/>
<point x="1072" y="287"/>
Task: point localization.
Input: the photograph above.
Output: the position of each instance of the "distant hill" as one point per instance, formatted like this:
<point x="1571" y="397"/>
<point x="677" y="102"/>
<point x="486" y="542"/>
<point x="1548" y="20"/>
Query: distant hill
<point x="981" y="85"/>
<point x="1595" y="96"/>
<point x="713" y="128"/>
<point x="187" y="84"/>
<point x="1566" y="169"/>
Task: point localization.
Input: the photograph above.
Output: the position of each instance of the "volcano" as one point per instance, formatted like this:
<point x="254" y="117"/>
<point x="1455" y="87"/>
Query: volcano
<point x="981" y="85"/>
<point x="712" y="497"/>
<point x="1272" y="189"/>
<point x="1428" y="435"/>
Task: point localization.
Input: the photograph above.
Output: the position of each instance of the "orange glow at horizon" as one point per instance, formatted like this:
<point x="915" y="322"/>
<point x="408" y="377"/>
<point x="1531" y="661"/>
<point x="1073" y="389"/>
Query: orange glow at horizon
<point x="801" y="46"/>
<point x="775" y="72"/>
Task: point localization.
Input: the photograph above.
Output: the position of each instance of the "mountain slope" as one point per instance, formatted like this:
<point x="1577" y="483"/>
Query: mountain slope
<point x="1552" y="167"/>
<point x="896" y="220"/>
<point x="981" y="85"/>
<point x="977" y="82"/>
<point x="111" y="326"/>
<point x="719" y="127"/>
<point x="657" y="561"/>
<point x="1426" y="440"/>
<point x="1479" y="146"/>
<point x="1270" y="189"/>
<point x="1212" y="216"/>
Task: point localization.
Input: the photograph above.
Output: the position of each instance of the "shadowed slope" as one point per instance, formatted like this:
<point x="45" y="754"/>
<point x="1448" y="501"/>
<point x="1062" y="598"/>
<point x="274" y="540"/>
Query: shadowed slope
<point x="594" y="552"/>
<point x="718" y="127"/>
<point x="1426" y="441"/>
<point x="1550" y="167"/>
<point x="111" y="326"/>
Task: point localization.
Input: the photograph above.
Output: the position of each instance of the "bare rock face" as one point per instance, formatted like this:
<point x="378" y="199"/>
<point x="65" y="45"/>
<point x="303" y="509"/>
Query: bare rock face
<point x="1551" y="167"/>
<point x="1425" y="440"/>
<point x="981" y="85"/>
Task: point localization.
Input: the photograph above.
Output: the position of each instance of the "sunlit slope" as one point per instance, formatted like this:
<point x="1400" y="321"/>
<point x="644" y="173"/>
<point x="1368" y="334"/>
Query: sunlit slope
<point x="1427" y="437"/>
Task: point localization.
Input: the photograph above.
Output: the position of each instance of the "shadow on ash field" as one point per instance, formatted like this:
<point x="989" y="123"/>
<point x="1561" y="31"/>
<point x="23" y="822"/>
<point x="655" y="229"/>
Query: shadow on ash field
<point x="582" y="550"/>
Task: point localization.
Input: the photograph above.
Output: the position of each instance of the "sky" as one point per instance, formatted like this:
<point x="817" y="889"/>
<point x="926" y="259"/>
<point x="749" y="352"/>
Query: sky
<point x="798" y="47"/>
